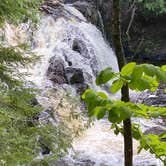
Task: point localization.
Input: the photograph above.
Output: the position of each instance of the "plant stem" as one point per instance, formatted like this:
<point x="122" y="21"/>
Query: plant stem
<point x="128" y="146"/>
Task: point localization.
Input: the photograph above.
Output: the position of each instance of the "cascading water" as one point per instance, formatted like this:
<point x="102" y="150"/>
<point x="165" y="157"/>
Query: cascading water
<point x="67" y="38"/>
<point x="76" y="43"/>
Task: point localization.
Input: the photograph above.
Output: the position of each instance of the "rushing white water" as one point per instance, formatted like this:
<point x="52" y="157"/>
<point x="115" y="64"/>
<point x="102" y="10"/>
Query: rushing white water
<point x="55" y="38"/>
<point x="100" y="145"/>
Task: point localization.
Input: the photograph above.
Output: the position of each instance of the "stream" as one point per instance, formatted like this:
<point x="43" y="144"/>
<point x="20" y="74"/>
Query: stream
<point x="68" y="45"/>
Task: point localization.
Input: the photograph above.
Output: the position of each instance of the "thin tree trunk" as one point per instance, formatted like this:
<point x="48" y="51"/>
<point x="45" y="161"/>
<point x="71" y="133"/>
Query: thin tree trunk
<point x="125" y="91"/>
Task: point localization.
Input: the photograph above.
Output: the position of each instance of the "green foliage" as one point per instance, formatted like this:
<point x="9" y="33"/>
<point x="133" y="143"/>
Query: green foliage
<point x="22" y="135"/>
<point x="116" y="86"/>
<point x="105" y="76"/>
<point x="127" y="70"/>
<point x="154" y="144"/>
<point x="12" y="58"/>
<point x="156" y="6"/>
<point x="119" y="113"/>
<point x="16" y="11"/>
<point x="139" y="78"/>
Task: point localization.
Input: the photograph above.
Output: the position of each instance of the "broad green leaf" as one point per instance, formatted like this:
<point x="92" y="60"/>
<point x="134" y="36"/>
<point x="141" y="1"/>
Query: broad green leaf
<point x="117" y="114"/>
<point x="91" y="99"/>
<point x="116" y="86"/>
<point x="140" y="84"/>
<point x="164" y="90"/>
<point x="114" y="116"/>
<point x="88" y="93"/>
<point x="136" y="132"/>
<point x="161" y="75"/>
<point x="105" y="76"/>
<point x="99" y="112"/>
<point x="96" y="102"/>
<point x="125" y="112"/>
<point x="136" y="110"/>
<point x="149" y="69"/>
<point x="152" y="143"/>
<point x="128" y="69"/>
<point x="102" y="95"/>
<point x="137" y="73"/>
<point x="163" y="67"/>
<point x="156" y="113"/>
<point x="163" y="135"/>
<point x="152" y="70"/>
<point x="153" y="111"/>
<point x="154" y="85"/>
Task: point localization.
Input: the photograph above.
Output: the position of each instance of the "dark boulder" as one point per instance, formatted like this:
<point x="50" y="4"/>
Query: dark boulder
<point x="77" y="47"/>
<point x="56" y="71"/>
<point x="45" y="150"/>
<point x="80" y="47"/>
<point x="88" y="9"/>
<point x="34" y="102"/>
<point x="74" y="75"/>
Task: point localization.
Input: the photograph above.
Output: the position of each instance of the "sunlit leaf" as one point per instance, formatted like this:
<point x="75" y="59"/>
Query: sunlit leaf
<point x="99" y="112"/>
<point x="137" y="73"/>
<point x="163" y="67"/>
<point x="116" y="86"/>
<point x="117" y="114"/>
<point x="128" y="69"/>
<point x="105" y="76"/>
<point x="102" y="95"/>
<point x="136" y="132"/>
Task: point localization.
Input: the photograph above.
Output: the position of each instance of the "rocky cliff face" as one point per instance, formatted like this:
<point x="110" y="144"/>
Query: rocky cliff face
<point x="146" y="37"/>
<point x="147" y="33"/>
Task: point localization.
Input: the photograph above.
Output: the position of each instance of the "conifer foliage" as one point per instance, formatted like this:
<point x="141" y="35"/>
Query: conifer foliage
<point x="22" y="137"/>
<point x="16" y="11"/>
<point x="156" y="6"/>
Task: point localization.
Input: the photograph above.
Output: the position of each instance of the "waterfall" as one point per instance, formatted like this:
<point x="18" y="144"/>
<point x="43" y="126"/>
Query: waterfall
<point x="58" y="37"/>
<point x="66" y="37"/>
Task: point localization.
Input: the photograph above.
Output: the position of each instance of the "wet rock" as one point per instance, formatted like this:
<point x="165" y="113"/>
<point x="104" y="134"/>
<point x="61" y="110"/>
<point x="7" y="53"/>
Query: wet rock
<point x="82" y="162"/>
<point x="61" y="163"/>
<point x="56" y="9"/>
<point x="80" y="47"/>
<point x="94" y="66"/>
<point x="88" y="9"/>
<point x="77" y="47"/>
<point x="155" y="130"/>
<point x="156" y="101"/>
<point x="56" y="71"/>
<point x="45" y="150"/>
<point x="47" y="116"/>
<point x="105" y="7"/>
<point x="70" y="1"/>
<point x="44" y="117"/>
<point x="34" y="102"/>
<point x="157" y="98"/>
<point x="52" y="7"/>
<point x="74" y="75"/>
<point x="80" y="88"/>
<point x="86" y="162"/>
